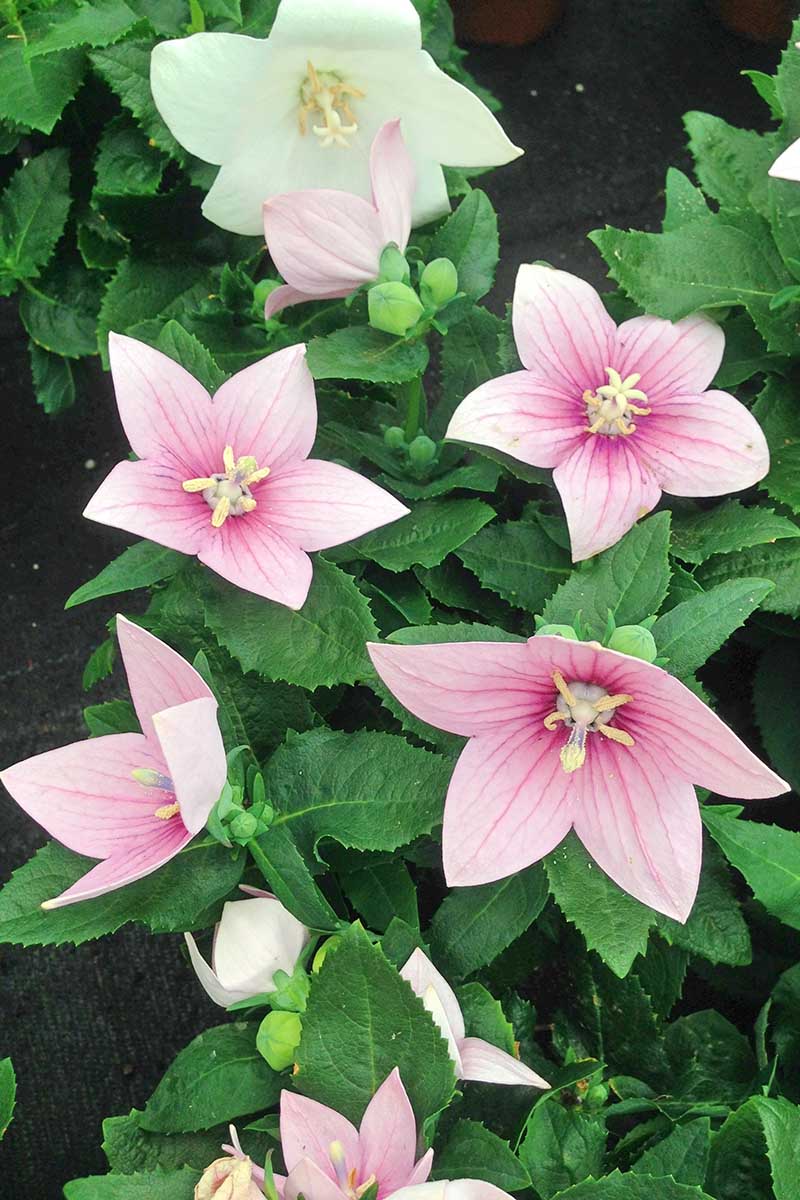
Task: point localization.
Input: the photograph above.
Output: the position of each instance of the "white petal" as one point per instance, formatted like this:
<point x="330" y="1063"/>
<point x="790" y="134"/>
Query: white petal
<point x="373" y="24"/>
<point x="787" y="165"/>
<point x="211" y="984"/>
<point x="254" y="939"/>
<point x="431" y="1001"/>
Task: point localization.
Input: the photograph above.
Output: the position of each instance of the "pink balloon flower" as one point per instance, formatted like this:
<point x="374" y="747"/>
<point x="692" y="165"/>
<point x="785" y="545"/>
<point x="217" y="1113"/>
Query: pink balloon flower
<point x="133" y="800"/>
<point x="621" y="414"/>
<point x="230" y="479"/>
<point x="327" y="243"/>
<point x="568" y="735"/>
<point x="327" y="1158"/>
<point x="472" y="1057"/>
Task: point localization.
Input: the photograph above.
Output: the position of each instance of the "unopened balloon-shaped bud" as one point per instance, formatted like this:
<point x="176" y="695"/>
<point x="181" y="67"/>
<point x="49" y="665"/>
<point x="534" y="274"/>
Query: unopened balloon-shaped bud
<point x="243" y="827"/>
<point x="422" y="451"/>
<point x="393" y="308"/>
<point x="564" y="631"/>
<point x="438" y="283"/>
<point x="394" y="437"/>
<point x="596" y="1096"/>
<point x="319" y="958"/>
<point x="228" y="1179"/>
<point x="278" y="1037"/>
<point x="263" y="289"/>
<point x="634" y="640"/>
<point x="393" y="266"/>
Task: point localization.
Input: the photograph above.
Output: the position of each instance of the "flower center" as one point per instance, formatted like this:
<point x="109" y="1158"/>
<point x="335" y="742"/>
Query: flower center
<point x="609" y="408"/>
<point x="324" y="94"/>
<point x="228" y="493"/>
<point x="583" y="708"/>
<point x="347" y="1178"/>
<point x="154" y="779"/>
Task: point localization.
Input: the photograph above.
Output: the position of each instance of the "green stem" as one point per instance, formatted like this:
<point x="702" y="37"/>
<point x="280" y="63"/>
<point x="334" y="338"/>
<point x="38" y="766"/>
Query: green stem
<point x="259" y="858"/>
<point x="413" y="395"/>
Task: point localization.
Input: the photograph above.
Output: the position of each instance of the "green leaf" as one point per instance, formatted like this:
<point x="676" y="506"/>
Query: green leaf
<point x="473" y="1152"/>
<point x="617" y="1186"/>
<point x="60" y="312"/>
<point x="710" y="1058"/>
<point x="715" y="929"/>
<point x="156" y="1185"/>
<point x="290" y="878"/>
<point x="630" y="579"/>
<point x="684" y="202"/>
<point x="424" y="538"/>
<point x="781" y="1123"/>
<point x="361" y="352"/>
<point x="97" y="24"/>
<point x="779" y="564"/>
<point x="470" y="356"/>
<point x="484" y="1017"/>
<point x="745" y="353"/>
<point x="100" y="664"/>
<point x="755" y="1152"/>
<point x="776" y="697"/>
<point x="126" y="163"/>
<point x="53" y="380"/>
<point x="562" y="1146"/>
<point x="36" y="93"/>
<point x="218" y="1077"/>
<point x="518" y="561"/>
<point x="767" y="856"/>
<point x="322" y="644"/>
<point x="730" y="526"/>
<point x="683" y="1153"/>
<point x="115" y="716"/>
<point x="129" y="1148"/>
<point x="694" y="629"/>
<point x="382" y="891"/>
<point x="33" y="212"/>
<point x="8" y="1094"/>
<point x="469" y="239"/>
<point x="141" y="565"/>
<point x="174" y="897"/>
<point x="101" y="246"/>
<point x="141" y="289"/>
<point x="362" y="1020"/>
<point x="478" y="476"/>
<point x="185" y="349"/>
<point x="475" y="924"/>
<point x="126" y="70"/>
<point x="778" y="414"/>
<point x="611" y="922"/>
<point x="730" y="163"/>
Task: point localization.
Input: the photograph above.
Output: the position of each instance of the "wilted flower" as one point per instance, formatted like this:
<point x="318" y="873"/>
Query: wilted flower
<point x="228" y="1179"/>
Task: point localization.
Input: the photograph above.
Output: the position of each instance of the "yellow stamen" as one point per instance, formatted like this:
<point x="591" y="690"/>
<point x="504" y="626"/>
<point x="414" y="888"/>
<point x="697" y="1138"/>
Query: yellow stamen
<point x="246" y="465"/>
<point x="616" y="735"/>
<point x="197" y="485"/>
<point x="221" y="512"/>
<point x="327" y="95"/>
<point x="605" y="703"/>
<point x="561" y="684"/>
<point x="247" y="504"/>
<point x="228" y="461"/>
<point x="552" y="719"/>
<point x="256" y="476"/>
<point x="167" y="811"/>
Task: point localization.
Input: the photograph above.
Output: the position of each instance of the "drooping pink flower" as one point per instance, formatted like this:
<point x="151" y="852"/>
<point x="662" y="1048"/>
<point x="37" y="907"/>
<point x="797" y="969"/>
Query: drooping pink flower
<point x="472" y="1057"/>
<point x="133" y="800"/>
<point x="621" y="414"/>
<point x="327" y="1158"/>
<point x="325" y="243"/>
<point x="564" y="735"/>
<point x="230" y="479"/>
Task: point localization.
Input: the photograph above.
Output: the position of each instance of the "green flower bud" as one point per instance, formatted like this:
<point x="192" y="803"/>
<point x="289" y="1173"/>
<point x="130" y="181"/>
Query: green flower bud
<point x="565" y="631"/>
<point x="634" y="640"/>
<point x="243" y="827"/>
<point x="438" y="283"/>
<point x="394" y="437"/>
<point x="422" y="450"/>
<point x="393" y="266"/>
<point x="319" y="958"/>
<point x="263" y="289"/>
<point x="596" y="1096"/>
<point x="393" y="307"/>
<point x="278" y="1037"/>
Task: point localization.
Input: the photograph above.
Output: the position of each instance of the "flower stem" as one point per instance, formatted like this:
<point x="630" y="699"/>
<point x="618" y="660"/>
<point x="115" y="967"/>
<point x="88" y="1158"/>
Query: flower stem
<point x="413" y="394"/>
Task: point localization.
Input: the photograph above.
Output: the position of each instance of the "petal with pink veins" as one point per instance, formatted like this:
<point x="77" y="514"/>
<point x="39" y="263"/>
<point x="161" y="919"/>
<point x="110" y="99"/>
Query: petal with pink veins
<point x="250" y="553"/>
<point x="485" y="1063"/>
<point x="388" y="1136"/>
<point x="192" y="745"/>
<point x="285" y="296"/>
<point x="421" y="974"/>
<point x="672" y="359"/>
<point x="563" y="333"/>
<point x="317" y="504"/>
<point x="147" y="499"/>
<point x="393" y="178"/>
<point x="452" y="1189"/>
<point x="306" y="1180"/>
<point x="158" y="677"/>
<point x="605" y="488"/>
<point x="422" y="1169"/>
<point x="538" y="422"/>
<point x="307" y="1130"/>
<point x="509" y="803"/>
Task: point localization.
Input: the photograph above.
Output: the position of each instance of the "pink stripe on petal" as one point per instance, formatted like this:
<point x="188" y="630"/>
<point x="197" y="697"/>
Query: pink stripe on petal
<point x="307" y="1130"/>
<point x="146" y="498"/>
<point x="563" y="332"/>
<point x="605" y="489"/>
<point x="192" y="745"/>
<point x="420" y="973"/>
<point x="158" y="677"/>
<point x="485" y="1063"/>
<point x="509" y="803"/>
<point x="250" y="553"/>
<point x="322" y="240"/>
<point x="286" y="296"/>
<point x="388" y="1137"/>
<point x="127" y="866"/>
<point x="672" y="359"/>
<point x="393" y="178"/>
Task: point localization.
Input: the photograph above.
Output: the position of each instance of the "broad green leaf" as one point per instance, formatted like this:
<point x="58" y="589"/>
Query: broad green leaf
<point x="778" y="414"/>
<point x="289" y="877"/>
<point x="218" y="1077"/>
<point x="470" y="357"/>
<point x="469" y="239"/>
<point x="360" y="352"/>
<point x="185" y="348"/>
<point x="100" y="664"/>
<point x="424" y="538"/>
<point x="53" y="380"/>
<point x="100" y="244"/>
<point x="683" y="1154"/>
<point x="177" y="896"/>
<point x="146" y="1185"/>
<point x="745" y="354"/>
<point x="729" y="162"/>
<point x="141" y="289"/>
<point x="8" y="1093"/>
<point x="776" y="698"/>
<point x="479" y="476"/>
<point x="362" y="1020"/>
<point x="715" y="929"/>
<point x="662" y="971"/>
<point x="693" y="630"/>
<point x="322" y="644"/>
<point x="617" y="1186"/>
<point x="115" y="716"/>
<point x="33" y="210"/>
<point x="475" y="924"/>
<point x="381" y="891"/>
<point x="473" y="1152"/>
<point x="709" y="1058"/>
<point x="518" y="561"/>
<point x="738" y="1164"/>
<point x="98" y="23"/>
<point x="484" y="1017"/>
<point x="561" y="1147"/>
<point x="36" y="93"/>
<point x="767" y="856"/>
<point x="126" y="163"/>
<point x="630" y="579"/>
<point x="781" y="1123"/>
<point x="60" y="311"/>
<point x="140" y="565"/>
<point x="129" y="1148"/>
<point x="126" y="70"/>
<point x="730" y="526"/>
<point x="684" y="202"/>
<point x="611" y="922"/>
<point x="779" y="564"/>
<point x="452" y="585"/>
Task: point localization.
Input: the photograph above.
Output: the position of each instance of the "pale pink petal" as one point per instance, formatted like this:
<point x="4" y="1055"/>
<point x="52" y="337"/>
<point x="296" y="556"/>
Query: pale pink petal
<point x="463" y="687"/>
<point x="317" y="504"/>
<point x="509" y="803"/>
<point x="485" y="1063"/>
<point x="250" y="553"/>
<point x="672" y="359"/>
<point x="393" y="177"/>
<point x="146" y="498"/>
<point x="158" y="677"/>
<point x="306" y="1180"/>
<point x="536" y="421"/>
<point x="164" y="410"/>
<point x="605" y="488"/>
<point x="85" y="794"/>
<point x="209" y="980"/>
<point x="563" y="332"/>
<point x="192" y="745"/>
<point x="286" y="296"/>
<point x="388" y="1137"/>
<point x="268" y="410"/>
<point x="787" y="164"/>
<point x="421" y="974"/>
<point x="452" y="1189"/>
<point x="307" y="1130"/>
<point x="422" y="1169"/>
<point x="432" y="1004"/>
<point x="705" y="445"/>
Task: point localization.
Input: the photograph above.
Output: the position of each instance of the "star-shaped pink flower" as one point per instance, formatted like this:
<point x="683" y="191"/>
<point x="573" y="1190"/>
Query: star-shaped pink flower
<point x="230" y="479"/>
<point x="133" y="800"/>
<point x="327" y="243"/>
<point x="621" y="414"/>
<point x="568" y="735"/>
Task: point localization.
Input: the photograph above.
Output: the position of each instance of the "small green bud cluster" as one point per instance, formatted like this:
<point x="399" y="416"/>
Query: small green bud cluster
<point x="242" y="811"/>
<point x="422" y="450"/>
<point x="395" y="307"/>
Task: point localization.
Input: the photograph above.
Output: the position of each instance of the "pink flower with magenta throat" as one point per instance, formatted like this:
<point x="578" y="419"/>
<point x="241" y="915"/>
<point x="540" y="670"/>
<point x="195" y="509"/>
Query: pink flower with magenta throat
<point x="621" y="414"/>
<point x="230" y="479"/>
<point x="568" y="735"/>
<point x="472" y="1057"/>
<point x="133" y="800"/>
<point x="327" y="243"/>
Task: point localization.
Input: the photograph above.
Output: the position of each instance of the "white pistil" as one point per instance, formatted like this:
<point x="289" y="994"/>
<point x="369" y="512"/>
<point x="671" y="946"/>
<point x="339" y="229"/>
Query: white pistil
<point x="609" y="408"/>
<point x="582" y="707"/>
<point x="228" y="493"/>
<point x="324" y="93"/>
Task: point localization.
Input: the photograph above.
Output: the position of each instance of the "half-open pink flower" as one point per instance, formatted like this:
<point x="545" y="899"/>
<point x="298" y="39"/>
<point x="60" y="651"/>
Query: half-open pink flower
<point x="230" y="479"/>
<point x="622" y="415"/>
<point x="327" y="1158"/>
<point x="472" y="1057"/>
<point x="567" y="735"/>
<point x="133" y="800"/>
<point x="326" y="243"/>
